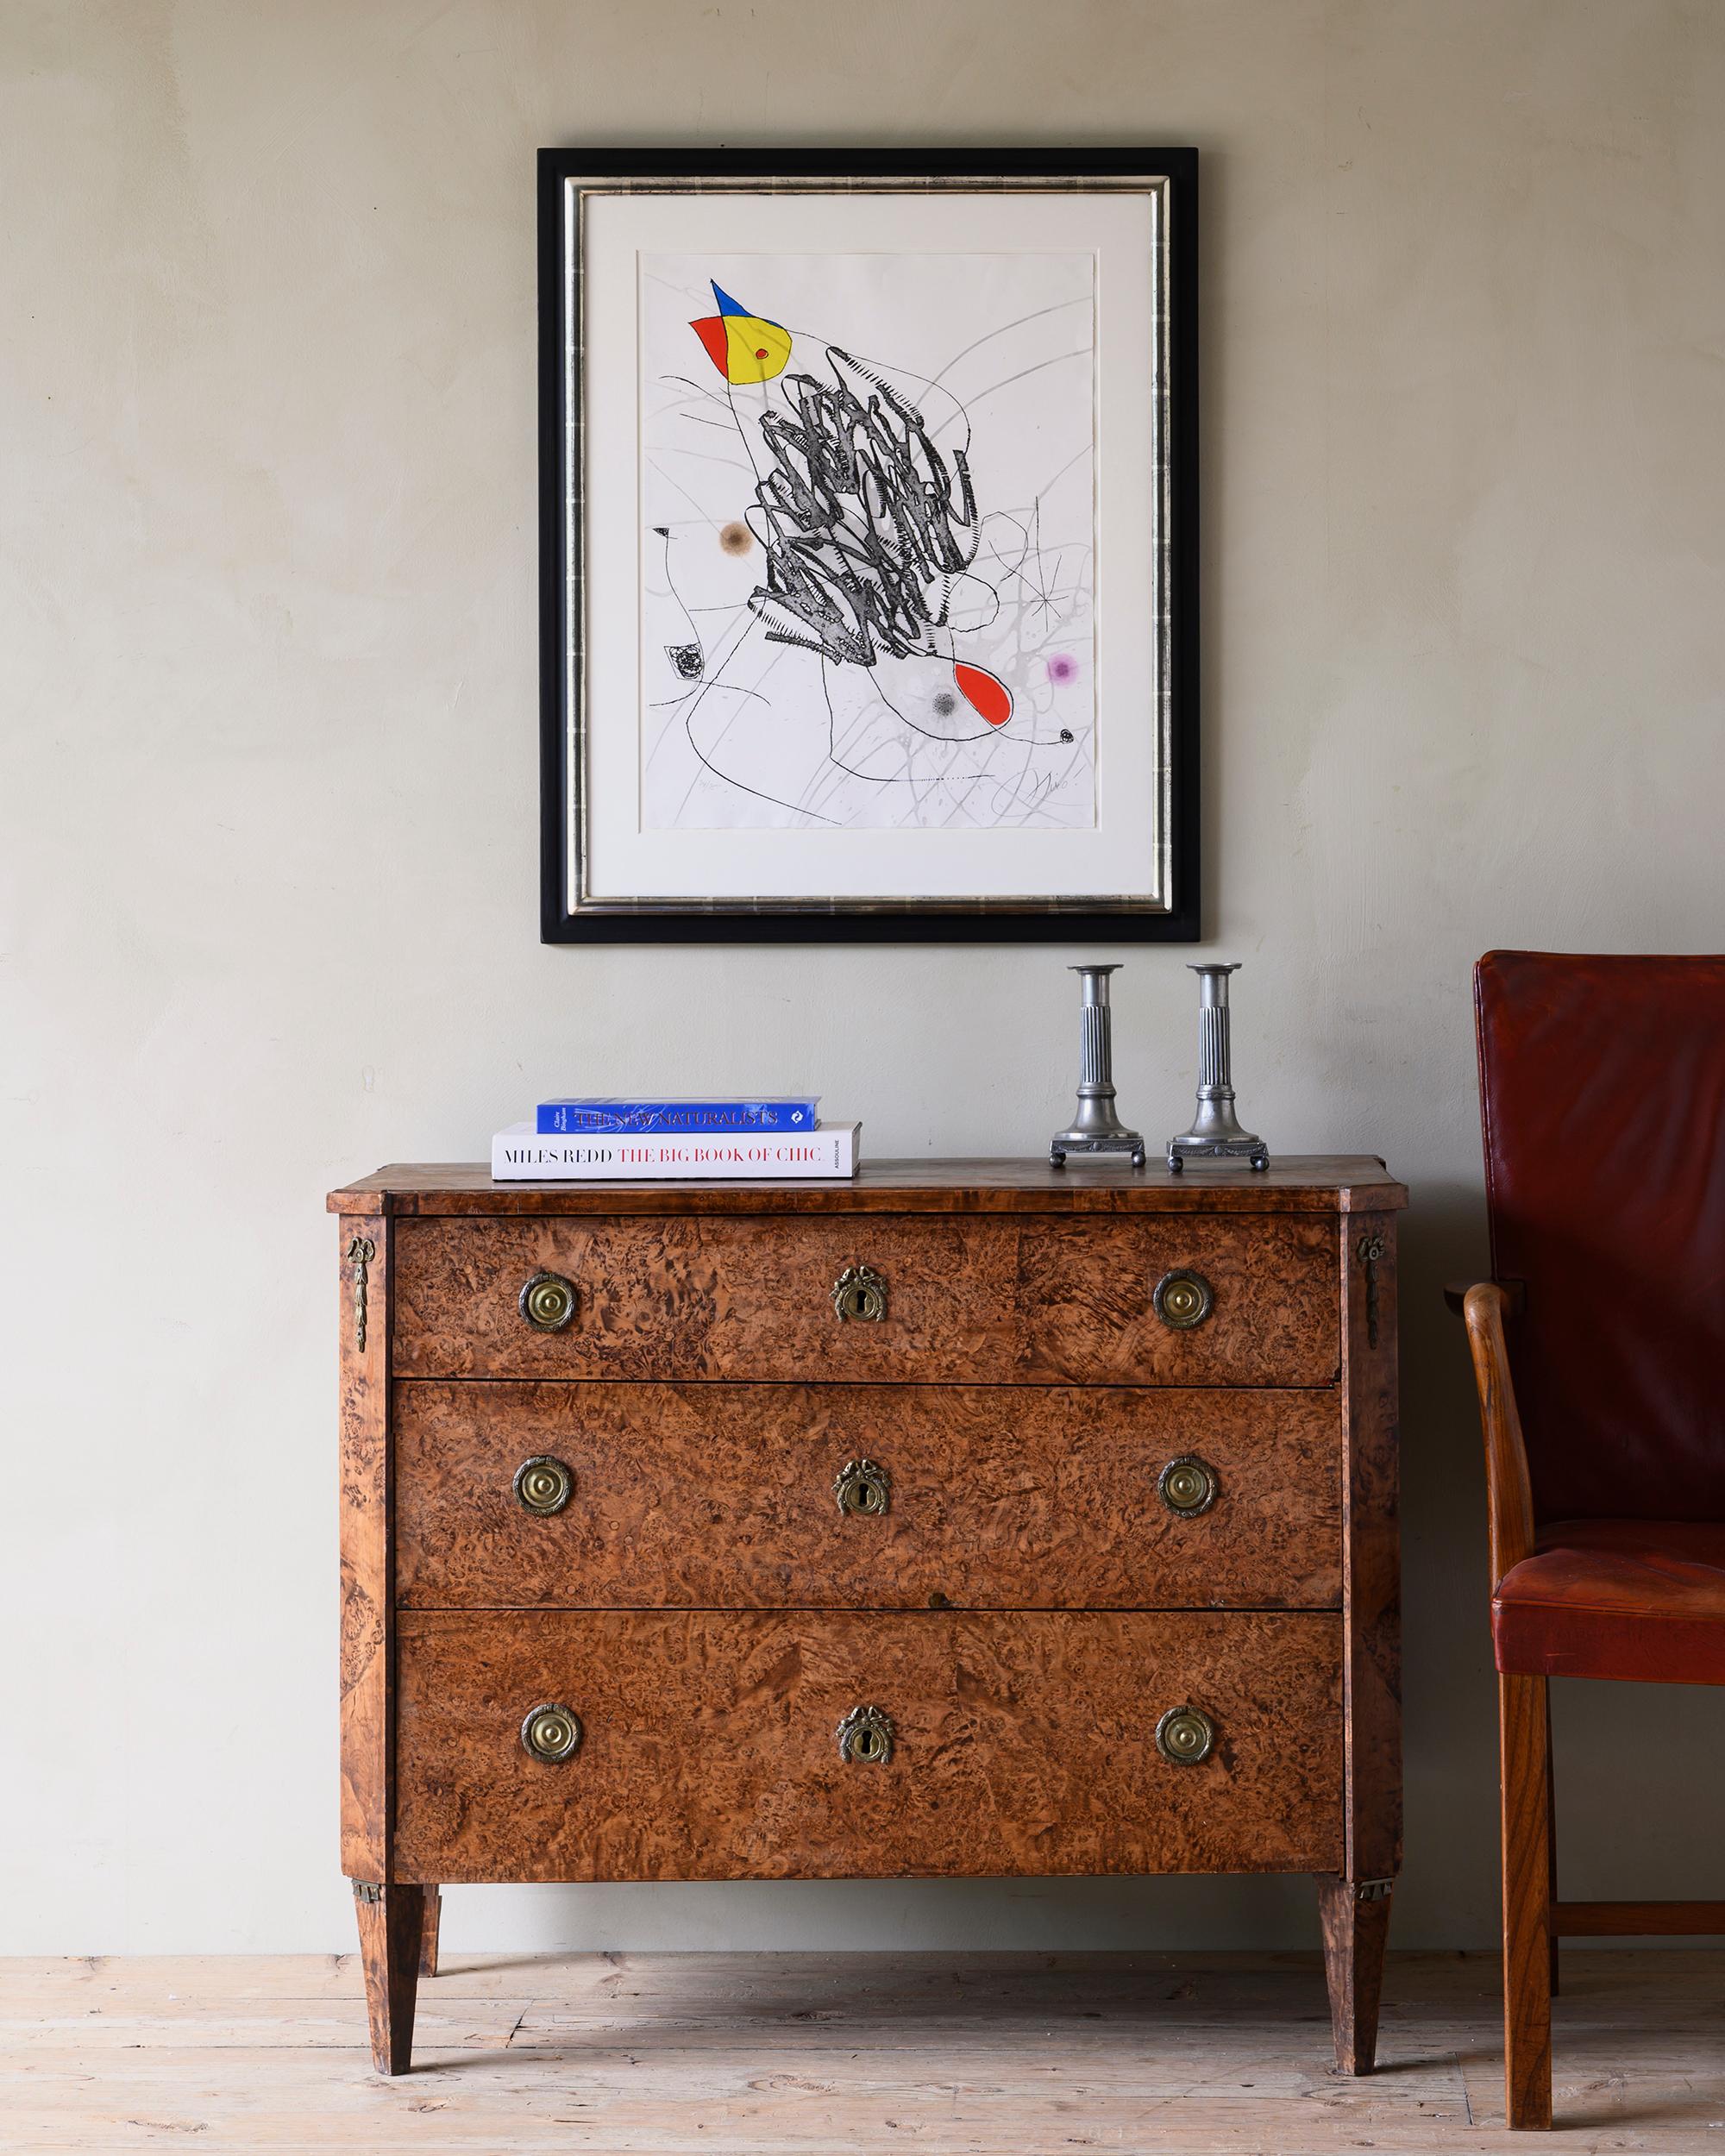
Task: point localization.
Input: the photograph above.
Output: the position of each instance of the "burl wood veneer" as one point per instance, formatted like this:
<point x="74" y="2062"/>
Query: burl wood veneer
<point x="991" y="1301"/>
<point x="723" y="1496"/>
<point x="1008" y="1572"/>
<point x="1024" y="1741"/>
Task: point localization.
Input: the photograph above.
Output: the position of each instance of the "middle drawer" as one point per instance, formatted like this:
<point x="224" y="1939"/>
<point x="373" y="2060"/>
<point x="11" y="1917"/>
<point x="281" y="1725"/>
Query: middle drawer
<point x="859" y="1497"/>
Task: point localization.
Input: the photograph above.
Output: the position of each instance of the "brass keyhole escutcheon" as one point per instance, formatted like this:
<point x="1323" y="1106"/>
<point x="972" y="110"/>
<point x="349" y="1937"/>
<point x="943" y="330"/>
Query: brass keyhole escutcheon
<point x="863" y="1487"/>
<point x="1185" y="1735"/>
<point x="1183" y="1299"/>
<point x="548" y="1302"/>
<point x="552" y="1734"/>
<point x="544" y="1486"/>
<point x="866" y="1734"/>
<point x="860" y="1291"/>
<point x="1188" y="1485"/>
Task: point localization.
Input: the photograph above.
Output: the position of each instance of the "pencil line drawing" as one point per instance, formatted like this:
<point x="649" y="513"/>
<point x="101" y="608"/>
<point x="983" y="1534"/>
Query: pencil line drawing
<point x="868" y="547"/>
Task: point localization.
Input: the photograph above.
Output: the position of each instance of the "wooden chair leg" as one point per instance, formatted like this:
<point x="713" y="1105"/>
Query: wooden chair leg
<point x="1527" y="1902"/>
<point x="390" y="1921"/>
<point x="1552" y="1833"/>
<point x="1355" y="1914"/>
<point x="429" y="1927"/>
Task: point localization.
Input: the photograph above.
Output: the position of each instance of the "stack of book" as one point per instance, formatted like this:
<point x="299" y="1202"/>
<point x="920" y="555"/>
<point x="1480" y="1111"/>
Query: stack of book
<point x="600" y="1140"/>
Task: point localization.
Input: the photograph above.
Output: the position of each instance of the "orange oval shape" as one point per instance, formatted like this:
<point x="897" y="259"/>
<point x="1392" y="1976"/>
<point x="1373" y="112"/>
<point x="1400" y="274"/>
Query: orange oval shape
<point x="993" y="699"/>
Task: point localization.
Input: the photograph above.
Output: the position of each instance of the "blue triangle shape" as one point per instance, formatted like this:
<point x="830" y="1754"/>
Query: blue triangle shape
<point x="726" y="304"/>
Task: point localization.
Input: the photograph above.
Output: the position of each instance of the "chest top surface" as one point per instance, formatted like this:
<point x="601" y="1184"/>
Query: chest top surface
<point x="1295" y="1183"/>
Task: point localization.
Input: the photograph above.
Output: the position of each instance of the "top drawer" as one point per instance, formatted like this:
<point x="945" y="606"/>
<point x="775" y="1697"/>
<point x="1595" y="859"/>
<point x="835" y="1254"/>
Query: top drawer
<point x="989" y="1301"/>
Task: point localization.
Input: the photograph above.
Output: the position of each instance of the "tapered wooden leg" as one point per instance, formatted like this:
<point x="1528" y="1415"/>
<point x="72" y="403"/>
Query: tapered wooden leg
<point x="1524" y="1748"/>
<point x="392" y="1920"/>
<point x="1551" y="1832"/>
<point x="428" y="1925"/>
<point x="1355" y="1915"/>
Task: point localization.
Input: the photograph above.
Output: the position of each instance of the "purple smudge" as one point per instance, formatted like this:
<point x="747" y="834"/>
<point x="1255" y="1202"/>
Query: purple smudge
<point x="1062" y="667"/>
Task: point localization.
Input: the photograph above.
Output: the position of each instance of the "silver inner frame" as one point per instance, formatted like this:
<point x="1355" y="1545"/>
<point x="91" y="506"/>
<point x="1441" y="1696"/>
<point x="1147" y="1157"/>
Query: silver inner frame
<point x="576" y="851"/>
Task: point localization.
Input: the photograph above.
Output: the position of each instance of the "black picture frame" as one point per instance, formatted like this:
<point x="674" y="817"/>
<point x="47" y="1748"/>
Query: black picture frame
<point x="874" y="920"/>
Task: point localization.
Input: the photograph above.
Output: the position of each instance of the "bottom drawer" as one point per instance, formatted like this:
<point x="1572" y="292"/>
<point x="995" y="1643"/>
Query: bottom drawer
<point x="1020" y="1742"/>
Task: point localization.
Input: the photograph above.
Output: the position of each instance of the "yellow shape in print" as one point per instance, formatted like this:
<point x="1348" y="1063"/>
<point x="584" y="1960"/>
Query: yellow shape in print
<point x="758" y="349"/>
<point x="744" y="347"/>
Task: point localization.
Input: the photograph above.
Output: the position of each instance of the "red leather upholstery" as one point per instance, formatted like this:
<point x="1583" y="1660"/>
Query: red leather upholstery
<point x="1602" y="1091"/>
<point x="1639" y="1599"/>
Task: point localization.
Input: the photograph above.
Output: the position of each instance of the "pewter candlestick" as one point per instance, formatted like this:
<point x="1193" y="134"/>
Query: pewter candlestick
<point x="1096" y="1127"/>
<point x="1216" y="1134"/>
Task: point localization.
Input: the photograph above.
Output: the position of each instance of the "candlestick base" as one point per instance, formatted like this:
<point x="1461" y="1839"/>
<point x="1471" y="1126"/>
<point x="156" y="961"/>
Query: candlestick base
<point x="1191" y="1145"/>
<point x="1117" y="1140"/>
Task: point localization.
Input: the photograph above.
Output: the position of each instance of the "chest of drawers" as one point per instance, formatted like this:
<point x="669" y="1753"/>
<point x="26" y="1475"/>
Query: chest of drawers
<point x="972" y="1518"/>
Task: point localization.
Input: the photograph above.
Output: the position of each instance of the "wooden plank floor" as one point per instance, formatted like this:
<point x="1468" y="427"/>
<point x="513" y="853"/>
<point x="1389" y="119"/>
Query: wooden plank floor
<point x="771" y="2055"/>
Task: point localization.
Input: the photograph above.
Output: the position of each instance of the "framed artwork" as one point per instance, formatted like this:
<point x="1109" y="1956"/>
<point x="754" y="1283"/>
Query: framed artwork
<point x="868" y="545"/>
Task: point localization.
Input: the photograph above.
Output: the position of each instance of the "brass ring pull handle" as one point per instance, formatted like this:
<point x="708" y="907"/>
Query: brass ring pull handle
<point x="552" y="1734"/>
<point x="859" y="1292"/>
<point x="1183" y="1299"/>
<point x="544" y="1486"/>
<point x="1188" y="1485"/>
<point x="864" y="1489"/>
<point x="866" y="1733"/>
<point x="1185" y="1736"/>
<point x="548" y="1302"/>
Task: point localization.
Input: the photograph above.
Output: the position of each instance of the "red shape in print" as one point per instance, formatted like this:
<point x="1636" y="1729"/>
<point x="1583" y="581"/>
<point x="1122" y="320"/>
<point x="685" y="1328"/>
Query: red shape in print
<point x="993" y="699"/>
<point x="711" y="332"/>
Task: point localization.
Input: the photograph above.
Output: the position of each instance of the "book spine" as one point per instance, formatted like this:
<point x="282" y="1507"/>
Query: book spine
<point x="529" y="1158"/>
<point x="570" y="1118"/>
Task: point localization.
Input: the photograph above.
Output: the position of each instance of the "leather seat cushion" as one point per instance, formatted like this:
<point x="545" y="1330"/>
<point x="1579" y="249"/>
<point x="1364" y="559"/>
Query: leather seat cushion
<point x="1642" y="1600"/>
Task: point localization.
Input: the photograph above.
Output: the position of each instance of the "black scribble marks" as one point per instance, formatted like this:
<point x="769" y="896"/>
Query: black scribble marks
<point x="868" y="524"/>
<point x="687" y="659"/>
<point x="1066" y="733"/>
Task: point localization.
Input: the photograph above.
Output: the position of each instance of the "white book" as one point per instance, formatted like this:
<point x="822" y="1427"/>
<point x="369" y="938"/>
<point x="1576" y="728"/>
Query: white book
<point x="521" y="1154"/>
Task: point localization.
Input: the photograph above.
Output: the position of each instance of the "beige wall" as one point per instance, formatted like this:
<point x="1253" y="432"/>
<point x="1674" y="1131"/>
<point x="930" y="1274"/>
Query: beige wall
<point x="267" y="716"/>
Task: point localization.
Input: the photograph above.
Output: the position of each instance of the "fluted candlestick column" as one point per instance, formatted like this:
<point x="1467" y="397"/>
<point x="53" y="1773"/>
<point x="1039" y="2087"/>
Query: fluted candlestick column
<point x="1096" y="1127"/>
<point x="1216" y="1134"/>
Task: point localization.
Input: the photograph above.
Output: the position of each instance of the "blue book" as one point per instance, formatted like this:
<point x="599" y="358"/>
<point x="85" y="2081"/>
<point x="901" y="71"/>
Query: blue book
<point x="568" y="1119"/>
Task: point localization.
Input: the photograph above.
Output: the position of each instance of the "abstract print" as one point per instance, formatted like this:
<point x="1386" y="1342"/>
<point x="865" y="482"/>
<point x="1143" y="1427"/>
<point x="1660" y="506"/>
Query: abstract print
<point x="868" y="544"/>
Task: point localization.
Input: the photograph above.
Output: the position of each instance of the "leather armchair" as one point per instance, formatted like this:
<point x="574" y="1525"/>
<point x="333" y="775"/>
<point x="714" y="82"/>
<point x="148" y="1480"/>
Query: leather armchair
<point x="1598" y="1348"/>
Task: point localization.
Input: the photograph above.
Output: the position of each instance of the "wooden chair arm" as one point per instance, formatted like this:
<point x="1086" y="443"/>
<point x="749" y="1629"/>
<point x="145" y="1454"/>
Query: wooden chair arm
<point x="1515" y="1296"/>
<point x="1509" y="1493"/>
